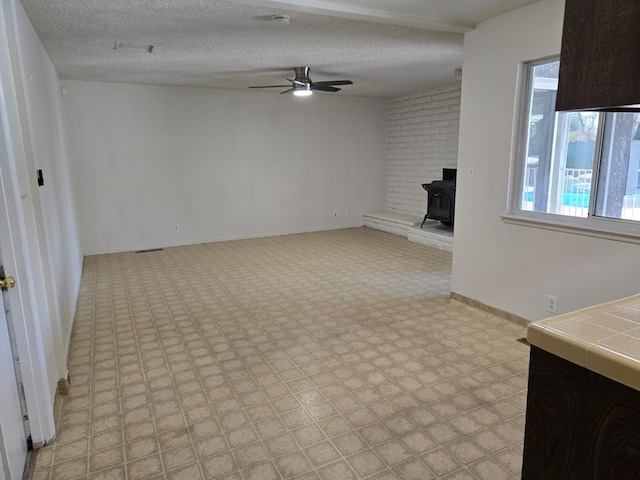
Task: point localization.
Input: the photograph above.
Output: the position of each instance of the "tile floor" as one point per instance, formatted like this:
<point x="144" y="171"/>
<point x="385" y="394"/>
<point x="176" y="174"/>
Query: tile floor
<point x="330" y="355"/>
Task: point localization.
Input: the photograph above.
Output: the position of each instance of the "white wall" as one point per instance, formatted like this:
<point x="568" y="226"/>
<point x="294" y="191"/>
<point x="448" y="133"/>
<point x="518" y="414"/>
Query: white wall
<point x="221" y="164"/>
<point x="422" y="140"/>
<point x="43" y="127"/>
<point x="39" y="240"/>
<point x="508" y="266"/>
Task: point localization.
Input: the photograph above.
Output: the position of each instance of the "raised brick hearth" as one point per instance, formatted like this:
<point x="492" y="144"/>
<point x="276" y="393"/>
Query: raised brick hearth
<point x="433" y="234"/>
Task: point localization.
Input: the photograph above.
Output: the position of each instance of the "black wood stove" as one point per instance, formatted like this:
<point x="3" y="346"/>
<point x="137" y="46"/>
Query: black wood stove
<point x="441" y="198"/>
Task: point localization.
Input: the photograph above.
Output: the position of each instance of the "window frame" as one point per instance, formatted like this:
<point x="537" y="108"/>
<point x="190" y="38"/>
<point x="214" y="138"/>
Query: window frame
<point x="594" y="226"/>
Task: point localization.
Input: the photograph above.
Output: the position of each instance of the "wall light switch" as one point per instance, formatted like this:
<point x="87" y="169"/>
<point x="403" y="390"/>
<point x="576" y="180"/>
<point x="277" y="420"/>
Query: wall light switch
<point x="552" y="304"/>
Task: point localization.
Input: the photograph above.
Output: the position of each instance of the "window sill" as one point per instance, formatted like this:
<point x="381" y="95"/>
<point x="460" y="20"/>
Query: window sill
<point x="616" y="230"/>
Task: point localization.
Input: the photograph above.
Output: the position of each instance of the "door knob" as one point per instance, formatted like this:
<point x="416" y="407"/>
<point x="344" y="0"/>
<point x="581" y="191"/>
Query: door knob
<point x="7" y="283"/>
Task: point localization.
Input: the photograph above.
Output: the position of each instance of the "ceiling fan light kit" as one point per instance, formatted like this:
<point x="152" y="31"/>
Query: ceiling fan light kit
<point x="302" y="86"/>
<point x="302" y="90"/>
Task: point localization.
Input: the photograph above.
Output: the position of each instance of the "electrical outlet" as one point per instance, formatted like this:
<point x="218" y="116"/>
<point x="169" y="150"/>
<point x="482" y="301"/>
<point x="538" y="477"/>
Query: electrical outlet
<point x="552" y="304"/>
<point x="176" y="228"/>
<point x="335" y="214"/>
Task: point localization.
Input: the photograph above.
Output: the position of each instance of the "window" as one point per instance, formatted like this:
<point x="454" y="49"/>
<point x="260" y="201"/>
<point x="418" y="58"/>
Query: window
<point x="576" y="165"/>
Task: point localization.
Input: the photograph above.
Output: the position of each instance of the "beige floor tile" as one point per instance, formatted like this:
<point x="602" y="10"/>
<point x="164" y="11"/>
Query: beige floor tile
<point x="67" y="451"/>
<point x="144" y="467"/>
<point x="219" y="465"/>
<point x="211" y="446"/>
<point x="292" y="464"/>
<point x="366" y="463"/>
<point x="75" y="433"/>
<point x="174" y="438"/>
<point x="442" y="433"/>
<point x="321" y="453"/>
<point x="309" y="435"/>
<point x="307" y="476"/>
<point x="44" y="457"/>
<point x="178" y="457"/>
<point x="262" y="471"/>
<point x="393" y="452"/>
<point x="463" y="474"/>
<point x="70" y="469"/>
<point x="296" y="418"/>
<point x="280" y="444"/>
<point x="105" y="459"/>
<point x="189" y="472"/>
<point x="418" y="442"/>
<point x="387" y="475"/>
<point x="465" y="451"/>
<point x="337" y="471"/>
<point x="41" y="473"/>
<point x="241" y="436"/>
<point x="489" y="441"/>
<point x="336" y="425"/>
<point x="250" y="454"/>
<point x="511" y="460"/>
<point x="489" y="470"/>
<point x="440" y="462"/>
<point x="399" y="425"/>
<point x="326" y="355"/>
<point x="413" y="470"/>
<point x="375" y="434"/>
<point x="141" y="448"/>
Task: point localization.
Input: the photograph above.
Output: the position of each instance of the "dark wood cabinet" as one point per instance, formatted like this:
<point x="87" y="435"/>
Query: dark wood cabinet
<point x="600" y="56"/>
<point x="579" y="425"/>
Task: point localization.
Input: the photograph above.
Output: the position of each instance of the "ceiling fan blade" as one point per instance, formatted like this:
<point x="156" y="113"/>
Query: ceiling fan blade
<point x="334" y="82"/>
<point x="302" y="82"/>
<point x="324" y="88"/>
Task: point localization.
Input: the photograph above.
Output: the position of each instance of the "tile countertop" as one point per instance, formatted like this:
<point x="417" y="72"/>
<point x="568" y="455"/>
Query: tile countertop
<point x="604" y="339"/>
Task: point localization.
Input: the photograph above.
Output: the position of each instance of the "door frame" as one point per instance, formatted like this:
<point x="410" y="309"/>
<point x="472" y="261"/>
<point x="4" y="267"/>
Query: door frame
<point x="21" y="260"/>
<point x="13" y="436"/>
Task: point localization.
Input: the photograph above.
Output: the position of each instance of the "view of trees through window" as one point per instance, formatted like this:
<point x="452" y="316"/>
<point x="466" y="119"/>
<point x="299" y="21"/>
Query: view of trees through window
<point x="576" y="156"/>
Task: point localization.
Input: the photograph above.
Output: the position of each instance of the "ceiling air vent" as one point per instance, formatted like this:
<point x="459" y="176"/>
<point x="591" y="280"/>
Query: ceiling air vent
<point x="281" y="19"/>
<point x="140" y="47"/>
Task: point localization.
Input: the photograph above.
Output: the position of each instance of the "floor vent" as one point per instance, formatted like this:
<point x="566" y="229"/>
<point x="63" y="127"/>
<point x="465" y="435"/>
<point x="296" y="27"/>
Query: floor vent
<point x="150" y="250"/>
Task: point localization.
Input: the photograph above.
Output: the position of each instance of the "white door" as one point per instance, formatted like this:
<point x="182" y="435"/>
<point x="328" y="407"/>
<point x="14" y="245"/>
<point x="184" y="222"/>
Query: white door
<point x="13" y="444"/>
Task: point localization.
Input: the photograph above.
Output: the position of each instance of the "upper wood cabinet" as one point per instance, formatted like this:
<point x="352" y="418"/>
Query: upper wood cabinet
<point x="600" y="56"/>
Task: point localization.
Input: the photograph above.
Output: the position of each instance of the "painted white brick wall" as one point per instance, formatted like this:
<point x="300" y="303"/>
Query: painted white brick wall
<point x="422" y="140"/>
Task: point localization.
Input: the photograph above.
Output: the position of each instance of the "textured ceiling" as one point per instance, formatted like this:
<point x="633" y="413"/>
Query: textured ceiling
<point x="387" y="47"/>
